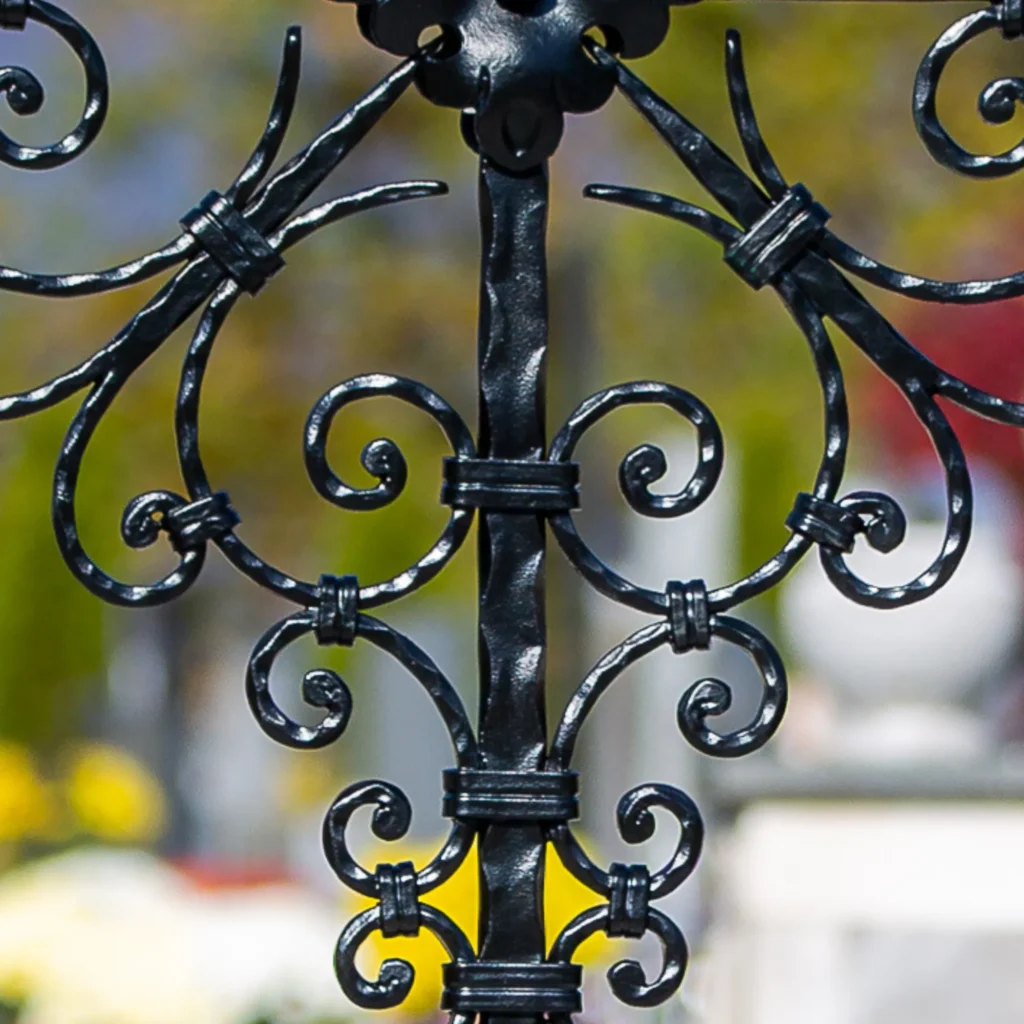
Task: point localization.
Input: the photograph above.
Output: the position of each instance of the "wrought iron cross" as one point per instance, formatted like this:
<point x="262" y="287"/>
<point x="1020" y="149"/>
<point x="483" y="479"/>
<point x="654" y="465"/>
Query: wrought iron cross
<point x="514" y="68"/>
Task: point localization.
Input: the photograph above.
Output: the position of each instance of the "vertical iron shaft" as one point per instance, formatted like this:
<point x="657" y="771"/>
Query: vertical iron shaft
<point x="512" y="364"/>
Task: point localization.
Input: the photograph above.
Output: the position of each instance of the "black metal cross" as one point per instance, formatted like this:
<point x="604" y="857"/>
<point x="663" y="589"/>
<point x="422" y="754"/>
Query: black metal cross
<point x="514" y="68"/>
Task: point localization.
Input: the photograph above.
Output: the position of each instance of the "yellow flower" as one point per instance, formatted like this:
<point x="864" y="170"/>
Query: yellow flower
<point x="15" y="985"/>
<point x="26" y="804"/>
<point x="564" y="898"/>
<point x="112" y="796"/>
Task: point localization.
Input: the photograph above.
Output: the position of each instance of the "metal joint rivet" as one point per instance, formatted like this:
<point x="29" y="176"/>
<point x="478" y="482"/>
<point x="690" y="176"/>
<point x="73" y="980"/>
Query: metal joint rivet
<point x="512" y="989"/>
<point x="13" y="14"/>
<point x="337" y="611"/>
<point x="399" y="900"/>
<point x="1011" y="17"/>
<point x="507" y="796"/>
<point x="689" y="615"/>
<point x="511" y="485"/>
<point x="628" y="900"/>
<point x="225" y="234"/>
<point x="827" y="524"/>
<point x="779" y="237"/>
<point x="192" y="526"/>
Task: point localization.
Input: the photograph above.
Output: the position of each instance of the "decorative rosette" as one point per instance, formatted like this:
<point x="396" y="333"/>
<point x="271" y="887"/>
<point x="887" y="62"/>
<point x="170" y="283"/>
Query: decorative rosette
<point x="517" y="65"/>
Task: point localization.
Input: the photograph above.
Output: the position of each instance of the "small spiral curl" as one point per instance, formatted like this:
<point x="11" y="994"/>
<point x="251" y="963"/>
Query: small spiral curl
<point x="710" y="698"/>
<point x="627" y="978"/>
<point x="383" y="460"/>
<point x="641" y="468"/>
<point x="647" y="464"/>
<point x="22" y="90"/>
<point x="321" y="688"/>
<point x="637" y="825"/>
<point x="703" y="700"/>
<point x="392" y="816"/>
<point x="135" y="529"/>
<point x="189" y="525"/>
<point x="885" y="523"/>
<point x="997" y="102"/>
<point x="25" y="95"/>
<point x="396" y="977"/>
<point x="142" y="521"/>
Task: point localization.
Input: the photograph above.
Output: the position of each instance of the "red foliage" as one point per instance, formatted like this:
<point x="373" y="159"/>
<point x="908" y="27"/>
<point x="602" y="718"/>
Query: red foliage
<point x="211" y="873"/>
<point x="983" y="345"/>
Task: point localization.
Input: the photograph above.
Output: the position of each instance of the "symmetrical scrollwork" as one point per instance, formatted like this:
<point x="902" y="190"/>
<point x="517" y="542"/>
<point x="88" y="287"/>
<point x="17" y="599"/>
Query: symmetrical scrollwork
<point x="514" y="67"/>
<point x="515" y="106"/>
<point x="231" y="243"/>
<point x="397" y="887"/>
<point x="630" y="889"/>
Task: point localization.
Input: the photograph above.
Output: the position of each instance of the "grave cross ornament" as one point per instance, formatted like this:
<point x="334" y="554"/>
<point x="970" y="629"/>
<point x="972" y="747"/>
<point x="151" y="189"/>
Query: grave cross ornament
<point x="514" y="68"/>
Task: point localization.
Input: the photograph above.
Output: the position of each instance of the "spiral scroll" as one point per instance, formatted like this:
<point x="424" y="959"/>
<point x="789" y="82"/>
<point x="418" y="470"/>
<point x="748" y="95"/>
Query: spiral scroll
<point x="184" y="247"/>
<point x="273" y="206"/>
<point x="630" y="915"/>
<point x="24" y="92"/>
<point x="321" y="688"/>
<point x="640" y="468"/>
<point x="326" y="689"/>
<point x="702" y="700"/>
<point x="233" y="242"/>
<point x="636" y="825"/>
<point x="997" y="102"/>
<point x="396" y="977"/>
<point x="383" y="459"/>
<point x="766" y="169"/>
<point x="397" y="888"/>
<point x="627" y="976"/>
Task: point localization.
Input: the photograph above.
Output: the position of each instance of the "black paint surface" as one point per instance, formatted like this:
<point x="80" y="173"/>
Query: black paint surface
<point x="515" y="67"/>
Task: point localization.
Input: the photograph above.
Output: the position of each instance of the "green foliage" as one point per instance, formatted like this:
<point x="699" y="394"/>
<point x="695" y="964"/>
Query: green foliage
<point x="51" y="634"/>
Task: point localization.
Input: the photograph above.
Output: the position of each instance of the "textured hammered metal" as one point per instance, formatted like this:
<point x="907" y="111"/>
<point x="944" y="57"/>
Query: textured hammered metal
<point x="515" y="67"/>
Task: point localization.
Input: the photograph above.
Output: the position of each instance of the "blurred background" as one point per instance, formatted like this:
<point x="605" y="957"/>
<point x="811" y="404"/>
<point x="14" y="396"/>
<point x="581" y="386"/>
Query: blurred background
<point x="160" y="858"/>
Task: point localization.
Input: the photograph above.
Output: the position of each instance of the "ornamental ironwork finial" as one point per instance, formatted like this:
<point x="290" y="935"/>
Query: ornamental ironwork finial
<point x="516" y="65"/>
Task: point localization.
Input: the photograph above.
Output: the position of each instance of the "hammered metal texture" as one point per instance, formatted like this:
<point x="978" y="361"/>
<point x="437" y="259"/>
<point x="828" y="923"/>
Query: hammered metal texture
<point x="515" y="67"/>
